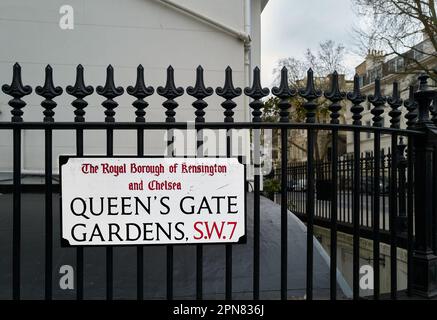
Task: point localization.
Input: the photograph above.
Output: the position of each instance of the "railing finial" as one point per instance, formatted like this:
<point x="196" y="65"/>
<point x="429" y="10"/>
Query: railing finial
<point x="284" y="93"/>
<point x="109" y="91"/>
<point x="411" y="105"/>
<point x="48" y="91"/>
<point x="395" y="103"/>
<point x="171" y="92"/>
<point x="310" y="93"/>
<point x="228" y="92"/>
<point x="335" y="96"/>
<point x="256" y="92"/>
<point x="79" y="91"/>
<point x="378" y="101"/>
<point x="200" y="92"/>
<point x="140" y="91"/>
<point x="16" y="90"/>
<point x="356" y="97"/>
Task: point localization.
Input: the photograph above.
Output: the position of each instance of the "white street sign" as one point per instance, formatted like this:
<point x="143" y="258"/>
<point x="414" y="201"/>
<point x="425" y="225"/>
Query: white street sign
<point x="141" y="201"/>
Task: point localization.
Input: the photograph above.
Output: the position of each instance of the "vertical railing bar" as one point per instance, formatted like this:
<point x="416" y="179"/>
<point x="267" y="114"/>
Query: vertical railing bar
<point x="140" y="250"/>
<point x="284" y="213"/>
<point x="109" y="250"/>
<point x="410" y="214"/>
<point x="322" y="202"/>
<point x="16" y="90"/>
<point x="298" y="193"/>
<point x="325" y="213"/>
<point x="362" y="163"/>
<point x="367" y="191"/>
<point x="256" y="219"/>
<point x="140" y="91"/>
<point x="199" y="247"/>
<point x="356" y="216"/>
<point x="200" y="92"/>
<point x="340" y="166"/>
<point x="257" y="92"/>
<point x="328" y="203"/>
<point x="393" y="214"/>
<point x="317" y="202"/>
<point x="292" y="182"/>
<point x="325" y="202"/>
<point x="383" y="197"/>
<point x="48" y="91"/>
<point x="109" y="91"/>
<point x="16" y="223"/>
<point x="229" y="92"/>
<point x="389" y="177"/>
<point x="170" y="153"/>
<point x="301" y="192"/>
<point x="288" y="179"/>
<point x="48" y="215"/>
<point x="349" y="178"/>
<point x="376" y="212"/>
<point x="79" y="91"/>
<point x="310" y="213"/>
<point x="79" y="250"/>
<point x="316" y="206"/>
<point x="304" y="194"/>
<point x="334" y="186"/>
<point x="345" y="216"/>
<point x="228" y="247"/>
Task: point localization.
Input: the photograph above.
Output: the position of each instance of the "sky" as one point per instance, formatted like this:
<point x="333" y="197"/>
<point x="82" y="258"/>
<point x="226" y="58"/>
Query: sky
<point x="289" y="27"/>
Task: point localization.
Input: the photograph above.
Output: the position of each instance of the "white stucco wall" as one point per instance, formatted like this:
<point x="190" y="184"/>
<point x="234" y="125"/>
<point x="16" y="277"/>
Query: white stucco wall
<point x="124" y="34"/>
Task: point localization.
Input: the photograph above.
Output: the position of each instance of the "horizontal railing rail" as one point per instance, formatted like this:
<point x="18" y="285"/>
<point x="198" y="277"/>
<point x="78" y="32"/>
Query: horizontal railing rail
<point x="31" y="125"/>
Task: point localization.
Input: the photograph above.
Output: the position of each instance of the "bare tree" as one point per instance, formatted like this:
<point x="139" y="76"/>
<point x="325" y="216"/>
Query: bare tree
<point x="330" y="57"/>
<point x="396" y="27"/>
<point x="296" y="70"/>
<point x="327" y="58"/>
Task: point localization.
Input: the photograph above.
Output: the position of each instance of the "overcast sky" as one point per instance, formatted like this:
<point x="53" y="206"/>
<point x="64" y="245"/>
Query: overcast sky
<point x="289" y="27"/>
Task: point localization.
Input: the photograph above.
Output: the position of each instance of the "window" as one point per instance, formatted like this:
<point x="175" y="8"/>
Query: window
<point x="399" y="64"/>
<point x="396" y="65"/>
<point x="392" y="66"/>
<point x="418" y="52"/>
<point x="371" y="75"/>
<point x="361" y="81"/>
<point x="374" y="73"/>
<point x="379" y="71"/>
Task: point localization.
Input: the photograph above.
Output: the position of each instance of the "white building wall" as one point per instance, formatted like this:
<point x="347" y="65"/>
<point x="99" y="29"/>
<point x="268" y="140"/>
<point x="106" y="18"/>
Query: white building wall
<point x="124" y="34"/>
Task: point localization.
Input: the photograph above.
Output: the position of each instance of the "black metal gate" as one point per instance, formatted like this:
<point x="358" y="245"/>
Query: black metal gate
<point x="412" y="191"/>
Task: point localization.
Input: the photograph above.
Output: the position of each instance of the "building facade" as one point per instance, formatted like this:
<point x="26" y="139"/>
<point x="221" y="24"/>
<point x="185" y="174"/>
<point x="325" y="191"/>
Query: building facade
<point x="388" y="70"/>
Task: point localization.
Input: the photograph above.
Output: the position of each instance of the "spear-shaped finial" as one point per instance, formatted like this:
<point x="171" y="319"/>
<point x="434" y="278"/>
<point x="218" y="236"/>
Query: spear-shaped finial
<point x="16" y="90"/>
<point x="49" y="92"/>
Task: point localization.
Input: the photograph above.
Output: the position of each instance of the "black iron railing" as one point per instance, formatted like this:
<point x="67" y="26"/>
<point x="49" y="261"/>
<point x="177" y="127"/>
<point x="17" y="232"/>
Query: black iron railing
<point x="343" y="171"/>
<point x="419" y="165"/>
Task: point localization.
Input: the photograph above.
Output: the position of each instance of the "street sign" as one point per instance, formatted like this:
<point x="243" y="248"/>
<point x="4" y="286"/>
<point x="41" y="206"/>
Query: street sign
<point x="151" y="200"/>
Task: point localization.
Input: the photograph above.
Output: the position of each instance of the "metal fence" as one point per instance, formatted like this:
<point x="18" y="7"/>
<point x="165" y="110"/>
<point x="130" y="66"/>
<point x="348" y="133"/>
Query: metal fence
<point x="421" y="133"/>
<point x="297" y="190"/>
